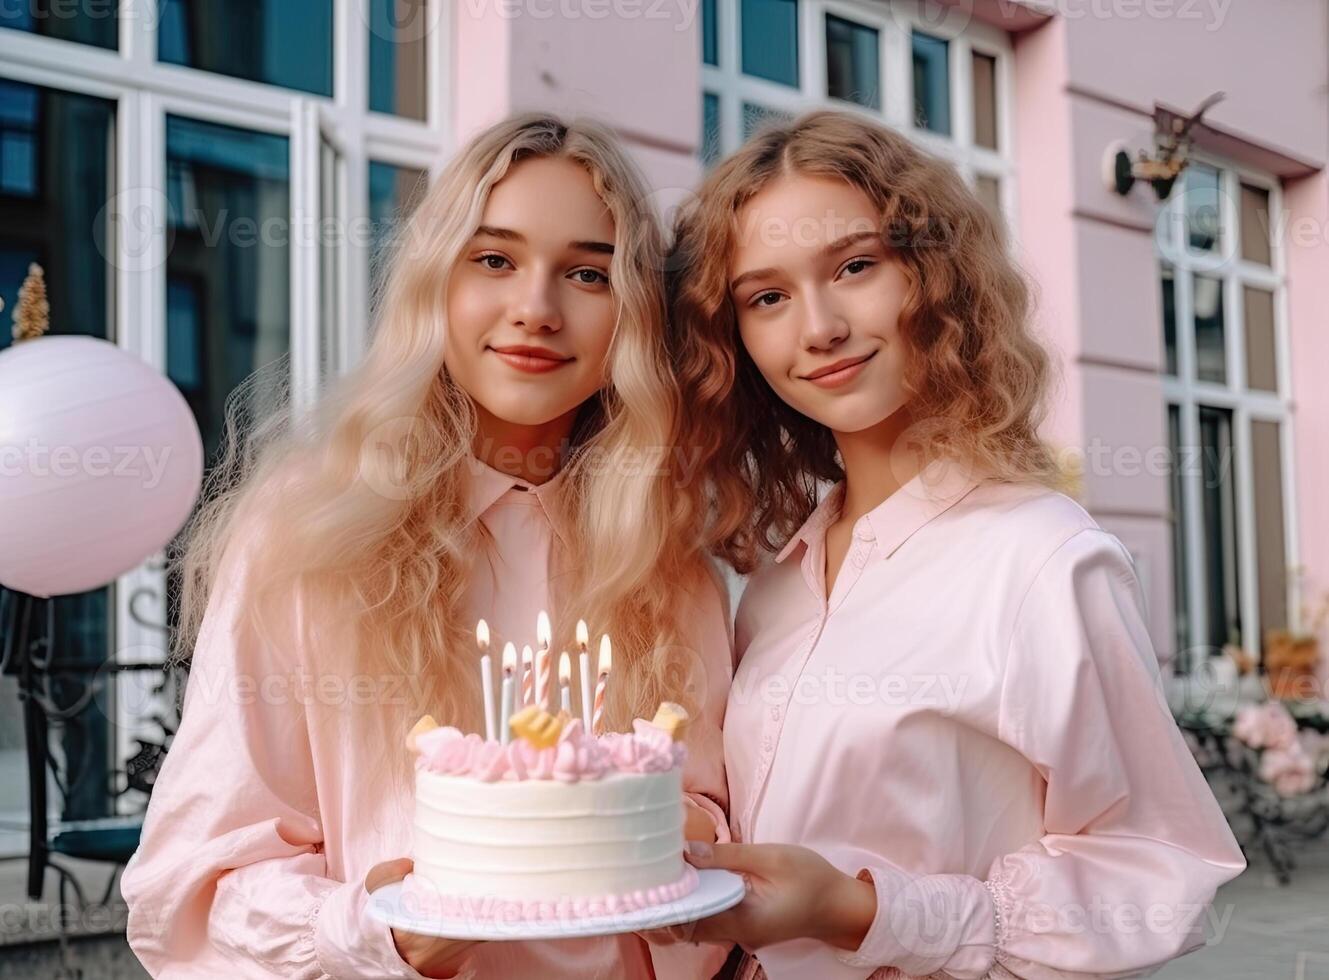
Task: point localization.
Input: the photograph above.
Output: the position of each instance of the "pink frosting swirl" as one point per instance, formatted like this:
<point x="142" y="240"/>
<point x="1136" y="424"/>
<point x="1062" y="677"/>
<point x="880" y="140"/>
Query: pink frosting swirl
<point x="576" y="756"/>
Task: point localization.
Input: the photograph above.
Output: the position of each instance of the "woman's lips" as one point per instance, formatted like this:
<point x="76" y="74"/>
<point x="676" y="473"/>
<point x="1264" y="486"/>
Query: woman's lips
<point x="841" y="374"/>
<point x="532" y="360"/>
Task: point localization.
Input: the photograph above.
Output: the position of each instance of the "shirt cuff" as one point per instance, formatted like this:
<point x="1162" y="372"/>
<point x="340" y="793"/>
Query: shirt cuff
<point x="722" y="835"/>
<point x="928" y="923"/>
<point x="350" y="944"/>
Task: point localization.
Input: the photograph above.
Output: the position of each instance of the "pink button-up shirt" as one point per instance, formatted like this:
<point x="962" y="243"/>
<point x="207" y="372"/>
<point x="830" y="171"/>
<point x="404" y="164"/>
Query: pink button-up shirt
<point x="974" y="721"/>
<point x="256" y="843"/>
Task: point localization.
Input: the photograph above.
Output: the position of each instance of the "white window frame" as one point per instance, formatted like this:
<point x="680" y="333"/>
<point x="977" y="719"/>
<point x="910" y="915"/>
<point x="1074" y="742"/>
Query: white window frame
<point x="893" y="23"/>
<point x="1185" y="391"/>
<point x="145" y="92"/>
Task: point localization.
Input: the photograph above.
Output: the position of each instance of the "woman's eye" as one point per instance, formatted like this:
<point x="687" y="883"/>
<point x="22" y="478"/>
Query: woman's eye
<point x="493" y="262"/>
<point x="766" y="299"/>
<point x="855" y="266"/>
<point x="590" y="277"/>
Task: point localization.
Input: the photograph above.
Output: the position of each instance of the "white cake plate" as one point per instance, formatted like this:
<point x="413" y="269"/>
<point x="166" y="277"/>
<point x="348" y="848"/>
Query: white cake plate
<point x="716" y="891"/>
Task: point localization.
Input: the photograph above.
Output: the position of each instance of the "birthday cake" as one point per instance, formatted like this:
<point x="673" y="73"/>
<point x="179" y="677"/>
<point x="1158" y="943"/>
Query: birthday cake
<point x="551" y="822"/>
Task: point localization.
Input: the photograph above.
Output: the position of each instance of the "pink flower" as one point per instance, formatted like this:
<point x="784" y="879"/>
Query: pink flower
<point x="1289" y="770"/>
<point x="1265" y="726"/>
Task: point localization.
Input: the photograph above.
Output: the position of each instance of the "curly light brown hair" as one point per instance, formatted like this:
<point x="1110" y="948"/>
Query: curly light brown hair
<point x="976" y="377"/>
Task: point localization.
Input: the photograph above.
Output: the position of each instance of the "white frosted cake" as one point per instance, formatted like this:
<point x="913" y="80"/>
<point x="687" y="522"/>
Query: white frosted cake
<point x="554" y="824"/>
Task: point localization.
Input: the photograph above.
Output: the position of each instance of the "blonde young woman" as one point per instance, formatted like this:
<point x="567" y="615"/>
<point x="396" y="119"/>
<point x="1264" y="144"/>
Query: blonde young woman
<point x="946" y="745"/>
<point x="506" y="446"/>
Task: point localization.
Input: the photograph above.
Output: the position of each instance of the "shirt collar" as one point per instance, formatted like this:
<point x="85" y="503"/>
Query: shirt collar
<point x="487" y="485"/>
<point x="938" y="487"/>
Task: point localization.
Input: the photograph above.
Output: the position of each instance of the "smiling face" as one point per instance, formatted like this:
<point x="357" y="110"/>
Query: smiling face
<point x="818" y="296"/>
<point x="530" y="314"/>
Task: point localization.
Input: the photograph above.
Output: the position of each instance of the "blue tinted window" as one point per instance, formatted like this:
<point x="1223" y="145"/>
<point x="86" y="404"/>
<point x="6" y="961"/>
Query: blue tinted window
<point x="281" y="42"/>
<point x="932" y="84"/>
<point x="770" y="40"/>
<point x="853" y="68"/>
<point x="397" y="67"/>
<point x="94" y="22"/>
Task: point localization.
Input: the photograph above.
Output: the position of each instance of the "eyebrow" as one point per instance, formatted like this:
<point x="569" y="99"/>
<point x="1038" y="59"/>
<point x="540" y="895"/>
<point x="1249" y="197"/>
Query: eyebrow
<point x="508" y="235"/>
<point x="839" y="244"/>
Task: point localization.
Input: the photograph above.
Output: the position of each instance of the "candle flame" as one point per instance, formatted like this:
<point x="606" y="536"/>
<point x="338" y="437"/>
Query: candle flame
<point x="564" y="669"/>
<point x="583" y="635"/>
<point x="482" y="635"/>
<point x="526" y="655"/>
<point x="509" y="658"/>
<point x="543" y="633"/>
<point x="606" y="654"/>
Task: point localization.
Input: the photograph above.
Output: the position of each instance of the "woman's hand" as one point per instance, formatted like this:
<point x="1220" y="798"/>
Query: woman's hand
<point x="698" y="824"/>
<point x="429" y="955"/>
<point x="792" y="893"/>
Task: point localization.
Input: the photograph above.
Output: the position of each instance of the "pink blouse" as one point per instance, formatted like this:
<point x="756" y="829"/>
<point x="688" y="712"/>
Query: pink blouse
<point x="256" y="844"/>
<point x="974" y="721"/>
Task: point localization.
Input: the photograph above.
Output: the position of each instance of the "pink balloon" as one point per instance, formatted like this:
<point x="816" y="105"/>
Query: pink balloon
<point x="100" y="464"/>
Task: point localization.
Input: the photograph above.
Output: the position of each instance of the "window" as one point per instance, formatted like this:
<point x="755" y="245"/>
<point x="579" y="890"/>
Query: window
<point x="56" y="150"/>
<point x="1228" y="415"/>
<point x="853" y="66"/>
<point x="946" y="88"/>
<point x="282" y="42"/>
<point x="397" y="57"/>
<point x="393" y="194"/>
<point x="932" y="83"/>
<point x="94" y="22"/>
<point x="177" y="180"/>
<point x="770" y="40"/>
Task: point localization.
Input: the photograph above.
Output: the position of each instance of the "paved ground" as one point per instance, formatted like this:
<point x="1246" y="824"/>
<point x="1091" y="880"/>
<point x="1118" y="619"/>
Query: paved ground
<point x="1264" y="931"/>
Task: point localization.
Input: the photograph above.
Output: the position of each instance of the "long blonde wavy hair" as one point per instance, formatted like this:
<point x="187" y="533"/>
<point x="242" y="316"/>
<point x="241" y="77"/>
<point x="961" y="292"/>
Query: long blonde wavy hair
<point x="358" y="506"/>
<point x="976" y="377"/>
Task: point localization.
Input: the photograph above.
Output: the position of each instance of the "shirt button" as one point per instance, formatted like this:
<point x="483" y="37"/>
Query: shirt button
<point x="775" y="714"/>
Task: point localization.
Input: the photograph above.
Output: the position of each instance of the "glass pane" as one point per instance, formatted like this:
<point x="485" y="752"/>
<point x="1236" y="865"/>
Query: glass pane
<point x="1271" y="557"/>
<point x="932" y="84"/>
<point x="754" y="116"/>
<point x="94" y="22"/>
<point x="985" y="100"/>
<point x="770" y="40"/>
<point x="1218" y="463"/>
<point x="1204" y="219"/>
<point x="228" y="269"/>
<point x="330" y="243"/>
<point x="853" y="68"/>
<point x="1255" y="224"/>
<point x="710" y="128"/>
<point x="1176" y="512"/>
<point x="1169" y="321"/>
<point x="397" y="69"/>
<point x="710" y="41"/>
<point x="988" y="190"/>
<point x="1261" y="347"/>
<point x="393" y="194"/>
<point x="56" y="176"/>
<point x="282" y="42"/>
<point x="1210" y="352"/>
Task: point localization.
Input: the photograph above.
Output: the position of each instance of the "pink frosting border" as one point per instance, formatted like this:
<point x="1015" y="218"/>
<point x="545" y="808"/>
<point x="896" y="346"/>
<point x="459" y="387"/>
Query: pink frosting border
<point x="421" y="899"/>
<point x="576" y="756"/>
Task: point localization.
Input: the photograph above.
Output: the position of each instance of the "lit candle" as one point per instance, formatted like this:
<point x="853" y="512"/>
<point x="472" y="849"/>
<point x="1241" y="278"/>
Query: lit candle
<point x="544" y="676"/>
<point x="565" y="682"/>
<point x="584" y="669"/>
<point x="486" y="676"/>
<point x="509" y="689"/>
<point x="606" y="663"/>
<point x="527" y="676"/>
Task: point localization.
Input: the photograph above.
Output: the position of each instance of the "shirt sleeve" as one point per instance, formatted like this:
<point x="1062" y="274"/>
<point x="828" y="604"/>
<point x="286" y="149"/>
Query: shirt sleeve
<point x="709" y="655"/>
<point x="1135" y="845"/>
<point x="230" y="878"/>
